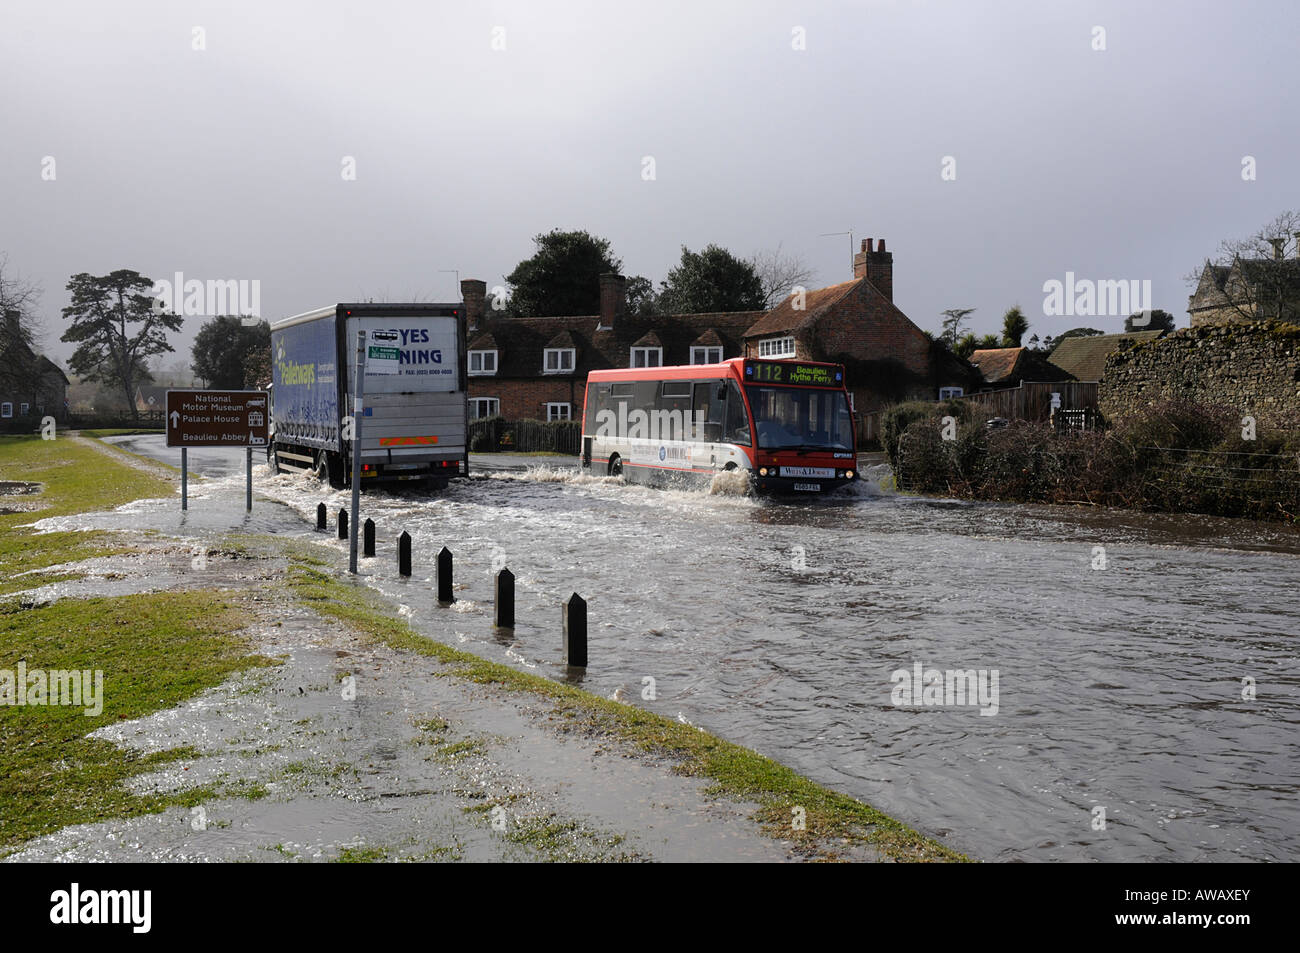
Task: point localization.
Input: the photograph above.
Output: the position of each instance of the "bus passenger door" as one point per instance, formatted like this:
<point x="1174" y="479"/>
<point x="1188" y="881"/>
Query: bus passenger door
<point x="736" y="432"/>
<point x="708" y="407"/>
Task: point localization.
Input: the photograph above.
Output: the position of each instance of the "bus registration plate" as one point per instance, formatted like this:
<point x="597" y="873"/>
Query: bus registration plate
<point x="823" y="472"/>
<point x="813" y="487"/>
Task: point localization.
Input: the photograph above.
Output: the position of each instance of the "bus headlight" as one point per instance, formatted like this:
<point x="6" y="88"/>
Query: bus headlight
<point x="848" y="474"/>
<point x="762" y="471"/>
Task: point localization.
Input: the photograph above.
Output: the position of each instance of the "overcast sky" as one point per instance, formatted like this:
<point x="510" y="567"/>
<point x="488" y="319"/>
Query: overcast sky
<point x="226" y="162"/>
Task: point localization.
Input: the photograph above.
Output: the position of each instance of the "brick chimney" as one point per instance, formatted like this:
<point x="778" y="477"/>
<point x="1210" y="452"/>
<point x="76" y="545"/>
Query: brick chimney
<point x="1278" y="245"/>
<point x="613" y="298"/>
<point x="876" y="265"/>
<point x="474" y="293"/>
<point x="1296" y="236"/>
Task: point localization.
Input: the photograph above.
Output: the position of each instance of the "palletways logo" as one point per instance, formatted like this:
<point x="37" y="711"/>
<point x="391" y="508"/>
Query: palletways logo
<point x="74" y="906"/>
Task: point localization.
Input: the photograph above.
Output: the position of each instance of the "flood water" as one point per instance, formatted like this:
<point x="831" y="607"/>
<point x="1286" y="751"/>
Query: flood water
<point x="778" y="624"/>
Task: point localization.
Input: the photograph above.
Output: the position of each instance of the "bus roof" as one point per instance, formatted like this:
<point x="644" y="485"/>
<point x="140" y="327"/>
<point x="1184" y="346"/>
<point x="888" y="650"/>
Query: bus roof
<point x="732" y="368"/>
<point x="729" y="368"/>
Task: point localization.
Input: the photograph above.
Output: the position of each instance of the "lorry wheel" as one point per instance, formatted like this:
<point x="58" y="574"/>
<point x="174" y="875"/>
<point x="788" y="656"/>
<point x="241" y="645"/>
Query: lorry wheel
<point x="322" y="471"/>
<point x="615" y="465"/>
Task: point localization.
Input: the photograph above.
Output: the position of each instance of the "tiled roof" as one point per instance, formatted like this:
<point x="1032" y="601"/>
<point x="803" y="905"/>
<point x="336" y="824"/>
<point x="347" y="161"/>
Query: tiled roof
<point x="1085" y="357"/>
<point x="1011" y="365"/>
<point x="159" y="394"/>
<point x="562" y="340"/>
<point x="521" y="341"/>
<point x="997" y="364"/>
<point x="785" y="317"/>
<point x="45" y="366"/>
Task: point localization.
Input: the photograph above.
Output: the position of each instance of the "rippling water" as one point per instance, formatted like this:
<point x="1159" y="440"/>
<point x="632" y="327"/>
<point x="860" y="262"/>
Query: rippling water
<point x="779" y="624"/>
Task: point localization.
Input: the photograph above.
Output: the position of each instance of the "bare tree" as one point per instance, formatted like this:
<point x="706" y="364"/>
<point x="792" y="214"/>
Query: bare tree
<point x="18" y="335"/>
<point x="779" y="273"/>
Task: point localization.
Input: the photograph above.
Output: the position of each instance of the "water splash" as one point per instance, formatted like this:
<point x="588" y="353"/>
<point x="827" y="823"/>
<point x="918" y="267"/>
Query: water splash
<point x="731" y="483"/>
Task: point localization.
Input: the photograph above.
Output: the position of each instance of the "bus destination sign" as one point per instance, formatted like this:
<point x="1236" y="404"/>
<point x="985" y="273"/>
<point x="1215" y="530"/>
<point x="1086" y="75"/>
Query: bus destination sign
<point x="792" y="372"/>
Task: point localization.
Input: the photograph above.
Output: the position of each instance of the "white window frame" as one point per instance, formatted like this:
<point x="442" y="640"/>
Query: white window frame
<point x="554" y="408"/>
<point x="703" y="354"/>
<point x="644" y="353"/>
<point x="6" y="409"/>
<point x="561" y="353"/>
<point x="776" y="347"/>
<point x="948" y="393"/>
<point x="483" y="360"/>
<point x="494" y="404"/>
<point x="24" y="409"/>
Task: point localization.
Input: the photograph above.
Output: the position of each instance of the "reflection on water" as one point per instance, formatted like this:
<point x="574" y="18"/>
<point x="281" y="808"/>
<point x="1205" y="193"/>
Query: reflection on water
<point x="778" y="624"/>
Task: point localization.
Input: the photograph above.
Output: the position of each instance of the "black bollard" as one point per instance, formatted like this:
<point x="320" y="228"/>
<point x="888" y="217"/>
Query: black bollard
<point x="575" y="631"/>
<point x="369" y="529"/>
<point x="343" y="524"/>
<point x="445" y="597"/>
<point x="322" y="515"/>
<point x="505" y="600"/>
<point x="404" y="554"/>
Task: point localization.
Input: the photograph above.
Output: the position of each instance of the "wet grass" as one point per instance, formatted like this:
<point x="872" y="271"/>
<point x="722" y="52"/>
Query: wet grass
<point x="819" y="821"/>
<point x="560" y="840"/>
<point x="75" y="479"/>
<point x="362" y="855"/>
<point x="22" y="551"/>
<point x="120" y="432"/>
<point x="155" y="651"/>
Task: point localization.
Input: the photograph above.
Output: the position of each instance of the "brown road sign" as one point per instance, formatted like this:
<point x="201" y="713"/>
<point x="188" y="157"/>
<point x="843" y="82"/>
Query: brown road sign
<point x="217" y="418"/>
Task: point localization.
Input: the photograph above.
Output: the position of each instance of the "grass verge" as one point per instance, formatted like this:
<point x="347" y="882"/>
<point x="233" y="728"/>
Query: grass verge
<point x="74" y="478"/>
<point x="155" y="651"/>
<point x="736" y="772"/>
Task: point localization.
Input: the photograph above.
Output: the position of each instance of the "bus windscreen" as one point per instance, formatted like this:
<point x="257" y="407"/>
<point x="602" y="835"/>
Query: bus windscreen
<point x="796" y="418"/>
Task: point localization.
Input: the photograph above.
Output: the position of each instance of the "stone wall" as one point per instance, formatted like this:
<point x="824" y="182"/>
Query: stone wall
<point x="1252" y="368"/>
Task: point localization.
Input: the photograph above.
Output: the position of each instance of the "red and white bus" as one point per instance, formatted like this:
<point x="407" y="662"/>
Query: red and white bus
<point x="788" y="424"/>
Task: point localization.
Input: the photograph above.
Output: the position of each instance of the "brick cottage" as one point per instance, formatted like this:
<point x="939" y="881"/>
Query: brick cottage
<point x="536" y="367"/>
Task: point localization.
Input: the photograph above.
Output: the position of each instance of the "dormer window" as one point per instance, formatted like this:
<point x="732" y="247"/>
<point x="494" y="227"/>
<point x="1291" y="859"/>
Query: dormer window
<point x="776" y="347"/>
<point x="482" y="363"/>
<point x="558" y="360"/>
<point x="706" y="355"/>
<point x="647" y="357"/>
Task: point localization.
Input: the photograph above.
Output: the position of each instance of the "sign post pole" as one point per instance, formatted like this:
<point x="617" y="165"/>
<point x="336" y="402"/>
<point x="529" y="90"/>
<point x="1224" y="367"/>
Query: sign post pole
<point x="185" y="479"/>
<point x="248" y="484"/>
<point x="359" y="383"/>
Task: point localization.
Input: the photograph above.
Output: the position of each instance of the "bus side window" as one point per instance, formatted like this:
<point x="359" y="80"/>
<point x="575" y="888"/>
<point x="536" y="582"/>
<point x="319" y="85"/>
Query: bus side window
<point x="737" y="428"/>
